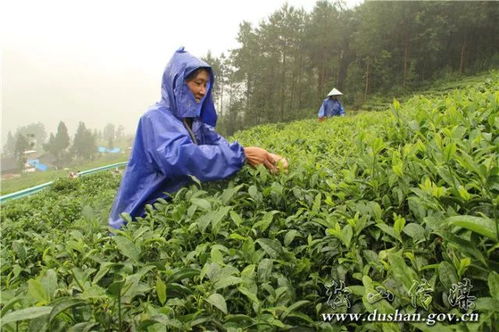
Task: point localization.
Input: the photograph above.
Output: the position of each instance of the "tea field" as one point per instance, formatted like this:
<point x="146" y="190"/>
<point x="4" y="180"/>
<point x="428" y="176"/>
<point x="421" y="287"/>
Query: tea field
<point x="389" y="212"/>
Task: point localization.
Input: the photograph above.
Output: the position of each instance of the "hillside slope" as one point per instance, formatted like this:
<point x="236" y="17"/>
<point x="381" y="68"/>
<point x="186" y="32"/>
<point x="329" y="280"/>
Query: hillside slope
<point x="401" y="202"/>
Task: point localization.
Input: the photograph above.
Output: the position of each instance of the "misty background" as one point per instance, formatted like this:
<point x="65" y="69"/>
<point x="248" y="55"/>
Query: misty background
<point x="101" y="62"/>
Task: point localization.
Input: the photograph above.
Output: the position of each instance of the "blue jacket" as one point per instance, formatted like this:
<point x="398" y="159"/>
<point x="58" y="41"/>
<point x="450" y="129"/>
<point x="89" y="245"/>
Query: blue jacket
<point x="164" y="155"/>
<point x="331" y="107"/>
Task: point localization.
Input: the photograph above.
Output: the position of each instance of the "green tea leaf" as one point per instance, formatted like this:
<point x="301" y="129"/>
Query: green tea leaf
<point x="275" y="322"/>
<point x="94" y="292"/>
<point x="25" y="314"/>
<point x="415" y="231"/>
<point x="64" y="305"/>
<point x="388" y="230"/>
<point x="10" y="304"/>
<point x="396" y="104"/>
<point x="483" y="226"/>
<point x="218" y="301"/>
<point x="401" y="271"/>
<point x="265" y="222"/>
<point x="19" y="249"/>
<point x="115" y="288"/>
<point x="217" y="219"/>
<point x="196" y="180"/>
<point x="493" y="281"/>
<point x="178" y="290"/>
<point x="447" y="274"/>
<point x="293" y="307"/>
<point x="36" y="291"/>
<point x="161" y="290"/>
<point x="347" y="235"/>
<point x="265" y="269"/>
<point x="464" y="246"/>
<point x="202" y="203"/>
<point x="450" y="151"/>
<point x="185" y="273"/>
<point x="248" y="274"/>
<point x="317" y="203"/>
<point x="253" y="192"/>
<point x="236" y="218"/>
<point x="204" y="220"/>
<point x="272" y="247"/>
<point x="398" y="225"/>
<point x="104" y="269"/>
<point x="229" y="193"/>
<point x="290" y="236"/>
<point x="82" y="327"/>
<point x="249" y="294"/>
<point x="463" y="265"/>
<point x="227" y="281"/>
<point x="217" y="256"/>
<point x="127" y="248"/>
<point x="49" y="282"/>
<point x="487" y="304"/>
<point x="166" y="321"/>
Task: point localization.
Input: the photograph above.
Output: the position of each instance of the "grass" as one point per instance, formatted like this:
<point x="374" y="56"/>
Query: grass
<point x="28" y="180"/>
<point x="436" y="88"/>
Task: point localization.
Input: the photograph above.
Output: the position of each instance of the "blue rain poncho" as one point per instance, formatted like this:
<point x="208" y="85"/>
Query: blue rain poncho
<point x="331" y="107"/>
<point x="164" y="155"/>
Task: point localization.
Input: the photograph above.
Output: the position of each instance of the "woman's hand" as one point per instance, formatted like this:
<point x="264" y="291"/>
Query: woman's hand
<point x="256" y="156"/>
<point x="280" y="162"/>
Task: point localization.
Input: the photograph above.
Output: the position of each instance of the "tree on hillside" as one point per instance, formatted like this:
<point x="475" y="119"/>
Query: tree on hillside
<point x="36" y="132"/>
<point x="221" y="70"/>
<point x="120" y="133"/>
<point x="244" y="63"/>
<point x="22" y="145"/>
<point x="109" y="134"/>
<point x="323" y="45"/>
<point x="270" y="67"/>
<point x="84" y="144"/>
<point x="291" y="59"/>
<point x="215" y="66"/>
<point x="62" y="140"/>
<point x="57" y="145"/>
<point x="50" y="146"/>
<point x="10" y="145"/>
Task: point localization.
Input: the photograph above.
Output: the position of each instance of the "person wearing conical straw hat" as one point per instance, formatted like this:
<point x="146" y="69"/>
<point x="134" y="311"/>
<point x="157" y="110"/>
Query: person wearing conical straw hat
<point x="331" y="106"/>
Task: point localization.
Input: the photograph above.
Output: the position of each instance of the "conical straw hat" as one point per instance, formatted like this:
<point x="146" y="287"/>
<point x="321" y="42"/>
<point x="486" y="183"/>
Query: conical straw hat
<point x="334" y="92"/>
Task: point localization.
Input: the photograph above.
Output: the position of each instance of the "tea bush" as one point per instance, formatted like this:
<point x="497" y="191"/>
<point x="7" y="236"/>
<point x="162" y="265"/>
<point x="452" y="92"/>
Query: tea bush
<point x="398" y="198"/>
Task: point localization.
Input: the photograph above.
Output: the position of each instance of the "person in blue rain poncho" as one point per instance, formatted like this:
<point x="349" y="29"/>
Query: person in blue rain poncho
<point x="175" y="139"/>
<point x="331" y="106"/>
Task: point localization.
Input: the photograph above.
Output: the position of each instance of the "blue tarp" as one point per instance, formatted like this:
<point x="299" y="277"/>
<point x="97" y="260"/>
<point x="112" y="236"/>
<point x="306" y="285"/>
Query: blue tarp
<point x="102" y="149"/>
<point x="36" y="164"/>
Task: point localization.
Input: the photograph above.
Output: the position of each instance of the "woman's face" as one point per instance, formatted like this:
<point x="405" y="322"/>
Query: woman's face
<point x="199" y="84"/>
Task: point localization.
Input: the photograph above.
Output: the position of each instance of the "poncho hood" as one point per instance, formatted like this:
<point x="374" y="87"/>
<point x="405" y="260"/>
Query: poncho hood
<point x="176" y="96"/>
